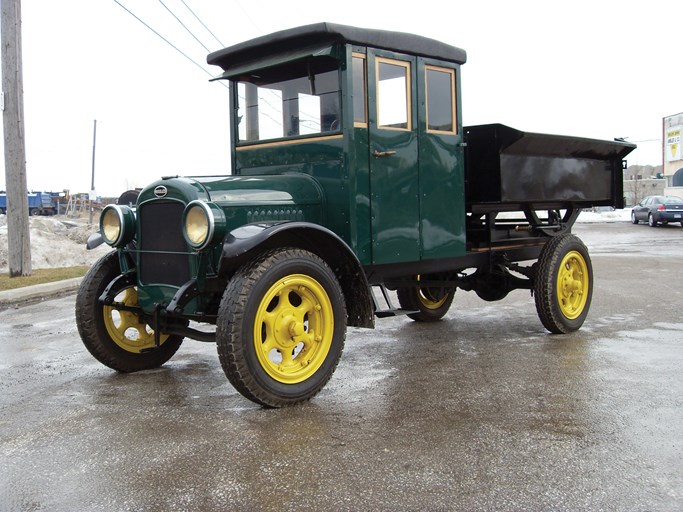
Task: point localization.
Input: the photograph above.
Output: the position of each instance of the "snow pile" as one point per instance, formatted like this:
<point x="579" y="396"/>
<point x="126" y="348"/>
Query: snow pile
<point x="60" y="241"/>
<point x="55" y="242"/>
<point x="605" y="216"/>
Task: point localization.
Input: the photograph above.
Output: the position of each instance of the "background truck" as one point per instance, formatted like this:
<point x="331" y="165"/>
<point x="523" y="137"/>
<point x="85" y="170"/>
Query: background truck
<point x="352" y="178"/>
<point x="39" y="203"/>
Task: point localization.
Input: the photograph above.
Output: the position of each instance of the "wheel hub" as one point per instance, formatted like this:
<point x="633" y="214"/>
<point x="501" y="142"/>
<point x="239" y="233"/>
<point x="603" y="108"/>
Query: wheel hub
<point x="293" y="329"/>
<point x="125" y="327"/>
<point x="572" y="281"/>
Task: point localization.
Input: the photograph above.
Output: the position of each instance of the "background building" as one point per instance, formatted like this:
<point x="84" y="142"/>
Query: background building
<point x="641" y="181"/>
<point x="673" y="154"/>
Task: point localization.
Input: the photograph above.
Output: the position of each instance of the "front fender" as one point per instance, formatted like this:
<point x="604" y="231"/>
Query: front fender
<point x="244" y="243"/>
<point x="94" y="240"/>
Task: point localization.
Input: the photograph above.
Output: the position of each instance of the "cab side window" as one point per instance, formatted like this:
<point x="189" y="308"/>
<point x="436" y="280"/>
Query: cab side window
<point x="393" y="94"/>
<point x="440" y="87"/>
<point x="360" y="110"/>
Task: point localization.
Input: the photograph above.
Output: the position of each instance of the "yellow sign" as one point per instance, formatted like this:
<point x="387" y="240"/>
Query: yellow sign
<point x="673" y="144"/>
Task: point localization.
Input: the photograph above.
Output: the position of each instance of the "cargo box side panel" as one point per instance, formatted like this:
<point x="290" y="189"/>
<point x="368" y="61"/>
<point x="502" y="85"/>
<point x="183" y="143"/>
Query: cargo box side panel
<point x="504" y="165"/>
<point x="549" y="179"/>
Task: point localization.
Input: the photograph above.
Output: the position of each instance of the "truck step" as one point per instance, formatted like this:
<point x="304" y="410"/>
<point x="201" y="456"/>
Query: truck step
<point x="390" y="309"/>
<point x="385" y="313"/>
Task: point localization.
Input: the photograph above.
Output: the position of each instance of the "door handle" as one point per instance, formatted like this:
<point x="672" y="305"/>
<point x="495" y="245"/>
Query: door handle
<point x="378" y="154"/>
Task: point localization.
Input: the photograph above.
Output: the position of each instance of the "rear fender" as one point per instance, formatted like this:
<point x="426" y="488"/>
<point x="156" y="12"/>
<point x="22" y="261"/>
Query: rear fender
<point x="244" y="243"/>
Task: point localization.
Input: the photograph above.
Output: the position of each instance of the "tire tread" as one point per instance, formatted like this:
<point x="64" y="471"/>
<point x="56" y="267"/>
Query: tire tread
<point x="93" y="333"/>
<point x="231" y="352"/>
<point x="544" y="284"/>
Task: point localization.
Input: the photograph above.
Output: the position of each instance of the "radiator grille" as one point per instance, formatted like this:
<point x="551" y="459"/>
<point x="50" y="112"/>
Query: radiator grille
<point x="160" y="237"/>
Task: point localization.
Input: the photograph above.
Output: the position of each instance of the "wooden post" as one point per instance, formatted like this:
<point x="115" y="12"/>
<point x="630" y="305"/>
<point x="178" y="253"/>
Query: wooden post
<point x="92" y="181"/>
<point x="18" y="237"/>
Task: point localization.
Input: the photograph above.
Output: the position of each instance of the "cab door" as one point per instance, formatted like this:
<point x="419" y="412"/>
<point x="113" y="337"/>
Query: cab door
<point x="441" y="161"/>
<point x="393" y="147"/>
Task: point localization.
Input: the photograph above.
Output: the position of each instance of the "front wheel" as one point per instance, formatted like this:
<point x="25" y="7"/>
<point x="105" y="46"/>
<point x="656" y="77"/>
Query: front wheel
<point x="118" y="339"/>
<point x="563" y="287"/>
<point x="634" y="220"/>
<point x="429" y="303"/>
<point x="281" y="327"/>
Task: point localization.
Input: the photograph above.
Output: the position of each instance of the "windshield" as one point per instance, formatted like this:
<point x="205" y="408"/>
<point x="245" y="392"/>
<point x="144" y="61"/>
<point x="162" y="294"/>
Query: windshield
<point x="290" y="100"/>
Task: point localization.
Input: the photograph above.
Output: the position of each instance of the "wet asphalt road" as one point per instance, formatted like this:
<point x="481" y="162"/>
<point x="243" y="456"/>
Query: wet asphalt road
<point x="484" y="411"/>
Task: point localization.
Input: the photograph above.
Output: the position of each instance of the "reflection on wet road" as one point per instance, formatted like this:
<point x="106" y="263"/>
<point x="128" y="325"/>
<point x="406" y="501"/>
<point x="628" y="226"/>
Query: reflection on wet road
<point x="482" y="411"/>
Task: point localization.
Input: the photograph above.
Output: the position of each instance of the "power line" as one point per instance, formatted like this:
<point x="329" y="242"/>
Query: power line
<point x="166" y="40"/>
<point x="183" y="25"/>
<point x="202" y="23"/>
<point x="248" y="17"/>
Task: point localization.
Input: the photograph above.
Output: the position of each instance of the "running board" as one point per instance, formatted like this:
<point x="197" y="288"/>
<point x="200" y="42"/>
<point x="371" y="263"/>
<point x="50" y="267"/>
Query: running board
<point x="391" y="310"/>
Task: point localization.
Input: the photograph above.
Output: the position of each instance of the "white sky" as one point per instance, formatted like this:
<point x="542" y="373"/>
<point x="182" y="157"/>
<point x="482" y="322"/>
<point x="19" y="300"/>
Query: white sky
<point x="599" y="69"/>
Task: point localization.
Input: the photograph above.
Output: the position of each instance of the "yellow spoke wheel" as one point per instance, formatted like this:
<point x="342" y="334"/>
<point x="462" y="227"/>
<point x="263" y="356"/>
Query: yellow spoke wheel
<point x="572" y="284"/>
<point x="293" y="329"/>
<point x="281" y="327"/>
<point x="429" y="301"/>
<point x="125" y="328"/>
<point x="563" y="284"/>
<point x="430" y="304"/>
<point x="118" y="339"/>
<point x="432" y="298"/>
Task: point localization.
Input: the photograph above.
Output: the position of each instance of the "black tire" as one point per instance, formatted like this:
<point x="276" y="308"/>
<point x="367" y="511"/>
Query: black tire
<point x="107" y="333"/>
<point x="651" y="221"/>
<point x="284" y="305"/>
<point x="633" y="217"/>
<point x="128" y="198"/>
<point x="562" y="308"/>
<point x="430" y="304"/>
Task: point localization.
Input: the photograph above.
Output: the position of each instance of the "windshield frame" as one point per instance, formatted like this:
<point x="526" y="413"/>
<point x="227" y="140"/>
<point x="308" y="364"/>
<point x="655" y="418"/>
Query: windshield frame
<point x="267" y="102"/>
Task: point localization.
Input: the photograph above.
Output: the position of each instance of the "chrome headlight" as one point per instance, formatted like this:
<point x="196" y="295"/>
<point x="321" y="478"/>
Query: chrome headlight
<point x="202" y="223"/>
<point x="117" y="225"/>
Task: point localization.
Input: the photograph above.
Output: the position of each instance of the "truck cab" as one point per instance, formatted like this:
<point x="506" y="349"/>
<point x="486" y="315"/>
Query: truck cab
<point x="354" y="184"/>
<point x="379" y="128"/>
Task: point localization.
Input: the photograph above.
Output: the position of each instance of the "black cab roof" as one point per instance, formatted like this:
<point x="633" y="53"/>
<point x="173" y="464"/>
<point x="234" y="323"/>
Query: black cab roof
<point x="328" y="33"/>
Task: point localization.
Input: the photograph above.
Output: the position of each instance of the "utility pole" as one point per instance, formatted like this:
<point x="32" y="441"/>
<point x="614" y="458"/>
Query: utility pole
<point x="18" y="237"/>
<point x="92" y="181"/>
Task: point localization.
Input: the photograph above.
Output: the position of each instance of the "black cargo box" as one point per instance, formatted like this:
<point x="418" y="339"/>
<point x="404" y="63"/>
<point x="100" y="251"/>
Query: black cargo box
<point x="504" y="165"/>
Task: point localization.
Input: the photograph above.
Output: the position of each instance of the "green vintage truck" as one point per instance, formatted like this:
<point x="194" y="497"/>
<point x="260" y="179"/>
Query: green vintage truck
<point x="356" y="193"/>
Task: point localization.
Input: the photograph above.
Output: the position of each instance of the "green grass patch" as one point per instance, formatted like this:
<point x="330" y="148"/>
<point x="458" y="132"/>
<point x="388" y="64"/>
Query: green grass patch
<point x="41" y="275"/>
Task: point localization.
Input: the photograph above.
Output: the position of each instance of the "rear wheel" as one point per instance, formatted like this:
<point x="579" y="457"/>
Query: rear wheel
<point x="563" y="287"/>
<point x="281" y="327"/>
<point x="651" y="220"/>
<point x="118" y="339"/>
<point x="430" y="303"/>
